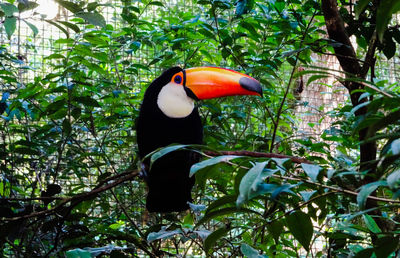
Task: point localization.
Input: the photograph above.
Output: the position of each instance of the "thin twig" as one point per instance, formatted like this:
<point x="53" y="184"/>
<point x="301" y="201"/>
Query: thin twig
<point x="79" y="197"/>
<point x="333" y="188"/>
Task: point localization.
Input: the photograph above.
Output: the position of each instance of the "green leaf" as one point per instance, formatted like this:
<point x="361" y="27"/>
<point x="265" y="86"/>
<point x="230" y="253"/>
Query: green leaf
<point x="26" y="6"/>
<point x="54" y="56"/>
<point x="280" y="162"/>
<point x="197" y="208"/>
<point x="10" y="24"/>
<point x="243" y="7"/>
<point x="78" y="253"/>
<point x="251" y="182"/>
<point x="87" y="101"/>
<point x="212" y="238"/>
<point x="250" y="252"/>
<point x="70" y="6"/>
<point x="33" y="28"/>
<point x="60" y="28"/>
<point x="209" y="162"/>
<point x="72" y="26"/>
<point x="66" y="125"/>
<point x="307" y="195"/>
<point x="156" y="3"/>
<point x="385" y="246"/>
<point x="316" y="77"/>
<point x="393" y="179"/>
<point x="371" y="224"/>
<point x="164" y="151"/>
<point x="384" y="14"/>
<point x="221" y="201"/>
<point x="367" y="252"/>
<point x="250" y="28"/>
<point x="188" y="219"/>
<point x="203" y="234"/>
<point x="389" y="48"/>
<point x="366" y="190"/>
<point x="395" y="146"/>
<point x="301" y="227"/>
<point x="92" y="6"/>
<point x="93" y="18"/>
<point x="222" y="212"/>
<point x="8" y="9"/>
<point x="276" y="229"/>
<point x="311" y="170"/>
<point x="27" y="151"/>
<point x="389" y="119"/>
<point x="162" y="234"/>
<point x="360" y="7"/>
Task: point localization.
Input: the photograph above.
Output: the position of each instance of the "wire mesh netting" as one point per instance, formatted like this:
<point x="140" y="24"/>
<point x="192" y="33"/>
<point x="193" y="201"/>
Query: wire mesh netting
<point x="37" y="55"/>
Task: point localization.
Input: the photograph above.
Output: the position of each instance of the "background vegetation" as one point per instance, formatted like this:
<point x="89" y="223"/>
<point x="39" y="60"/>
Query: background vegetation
<point x="69" y="181"/>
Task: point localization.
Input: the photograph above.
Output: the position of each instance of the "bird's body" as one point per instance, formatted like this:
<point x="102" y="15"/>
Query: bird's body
<point x="168" y="116"/>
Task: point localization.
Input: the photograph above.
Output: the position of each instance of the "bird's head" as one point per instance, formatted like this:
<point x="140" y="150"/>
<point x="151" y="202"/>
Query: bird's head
<point x="179" y="88"/>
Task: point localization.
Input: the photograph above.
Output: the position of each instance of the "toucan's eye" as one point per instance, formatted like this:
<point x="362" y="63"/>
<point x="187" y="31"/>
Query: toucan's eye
<point x="178" y="79"/>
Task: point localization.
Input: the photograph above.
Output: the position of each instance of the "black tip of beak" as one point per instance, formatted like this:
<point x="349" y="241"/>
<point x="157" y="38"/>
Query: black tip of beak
<point x="251" y="85"/>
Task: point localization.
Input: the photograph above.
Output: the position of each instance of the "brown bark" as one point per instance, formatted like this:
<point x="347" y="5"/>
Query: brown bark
<point x="347" y="58"/>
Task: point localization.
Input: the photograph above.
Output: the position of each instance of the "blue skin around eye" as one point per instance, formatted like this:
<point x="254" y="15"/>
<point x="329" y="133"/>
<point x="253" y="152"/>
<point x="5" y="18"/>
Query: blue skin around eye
<point x="178" y="79"/>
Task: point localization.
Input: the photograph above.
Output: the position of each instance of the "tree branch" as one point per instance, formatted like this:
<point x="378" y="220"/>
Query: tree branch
<point x="123" y="177"/>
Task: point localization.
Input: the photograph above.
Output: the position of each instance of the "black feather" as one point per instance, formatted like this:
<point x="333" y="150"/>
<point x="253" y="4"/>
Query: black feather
<point x="168" y="180"/>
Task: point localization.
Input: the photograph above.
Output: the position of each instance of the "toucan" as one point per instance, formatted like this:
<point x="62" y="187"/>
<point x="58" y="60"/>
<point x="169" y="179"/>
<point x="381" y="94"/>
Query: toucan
<point x="168" y="115"/>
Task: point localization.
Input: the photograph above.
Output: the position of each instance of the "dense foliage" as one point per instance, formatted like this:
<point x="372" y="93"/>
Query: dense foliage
<point x="69" y="181"/>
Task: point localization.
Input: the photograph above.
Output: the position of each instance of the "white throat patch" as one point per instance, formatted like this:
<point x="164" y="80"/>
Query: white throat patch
<point x="173" y="101"/>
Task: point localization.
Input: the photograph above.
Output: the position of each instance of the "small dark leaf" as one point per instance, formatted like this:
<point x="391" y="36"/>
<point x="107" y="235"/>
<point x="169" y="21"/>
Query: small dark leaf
<point x="366" y="190"/>
<point x="371" y="224"/>
<point x="367" y="252"/>
<point x="156" y="3"/>
<point x="250" y="252"/>
<point x="60" y="28"/>
<point x="223" y="212"/>
<point x="214" y="237"/>
<point x="360" y="7"/>
<point x="311" y="170"/>
<point x="389" y="46"/>
<point x="70" y="6"/>
<point x="227" y="199"/>
<point x="93" y="18"/>
<point x="66" y="125"/>
<point x="385" y="246"/>
<point x="10" y="24"/>
<point x="301" y="227"/>
<point x="26" y="6"/>
<point x="87" y="101"/>
<point x="164" y="151"/>
<point x="72" y="26"/>
<point x="162" y="234"/>
<point x="197" y="207"/>
<point x="275" y="228"/>
<point x="8" y="9"/>
<point x="393" y="179"/>
<point x="209" y="162"/>
<point x="384" y="14"/>
<point x="251" y="183"/>
<point x="33" y="28"/>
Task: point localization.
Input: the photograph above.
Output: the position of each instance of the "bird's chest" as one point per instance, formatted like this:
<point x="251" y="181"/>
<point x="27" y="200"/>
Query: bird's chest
<point x="177" y="130"/>
<point x="157" y="130"/>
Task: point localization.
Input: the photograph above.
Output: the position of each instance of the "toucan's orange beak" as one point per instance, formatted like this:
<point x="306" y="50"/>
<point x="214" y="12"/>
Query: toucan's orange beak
<point x="214" y="82"/>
